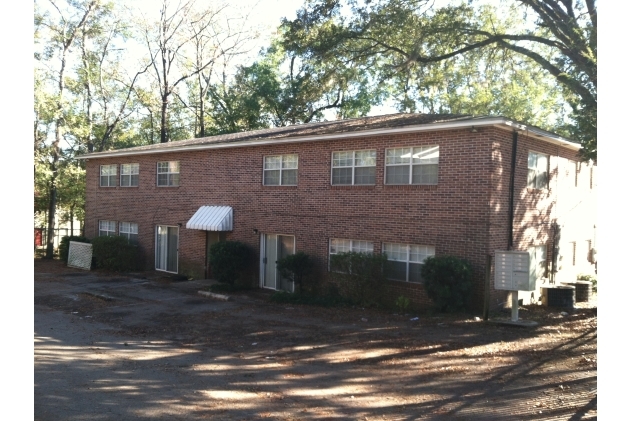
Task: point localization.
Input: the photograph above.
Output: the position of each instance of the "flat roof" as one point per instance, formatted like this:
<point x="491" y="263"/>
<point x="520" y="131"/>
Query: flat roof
<point x="328" y="130"/>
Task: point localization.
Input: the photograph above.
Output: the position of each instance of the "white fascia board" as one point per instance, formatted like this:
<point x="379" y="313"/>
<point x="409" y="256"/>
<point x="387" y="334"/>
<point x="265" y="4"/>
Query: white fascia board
<point x="538" y="133"/>
<point x="496" y="122"/>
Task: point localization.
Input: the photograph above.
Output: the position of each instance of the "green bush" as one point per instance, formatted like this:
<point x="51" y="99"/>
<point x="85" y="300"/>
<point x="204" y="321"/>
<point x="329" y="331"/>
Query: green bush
<point x="297" y="267"/>
<point x="402" y="303"/>
<point x="589" y="278"/>
<point x="229" y="260"/>
<point x="64" y="245"/>
<point x="360" y="277"/>
<point x="448" y="281"/>
<point x="116" y="253"/>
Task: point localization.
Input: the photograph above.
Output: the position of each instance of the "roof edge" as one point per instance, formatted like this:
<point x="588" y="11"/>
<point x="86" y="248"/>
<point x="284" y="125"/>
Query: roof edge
<point x="500" y="122"/>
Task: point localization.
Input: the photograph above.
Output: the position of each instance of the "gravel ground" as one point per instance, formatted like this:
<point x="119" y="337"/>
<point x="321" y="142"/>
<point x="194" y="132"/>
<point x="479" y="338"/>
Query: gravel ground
<point x="144" y="346"/>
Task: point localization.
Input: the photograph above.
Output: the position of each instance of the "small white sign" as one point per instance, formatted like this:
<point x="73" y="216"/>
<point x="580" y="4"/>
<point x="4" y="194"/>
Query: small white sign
<point x="80" y="255"/>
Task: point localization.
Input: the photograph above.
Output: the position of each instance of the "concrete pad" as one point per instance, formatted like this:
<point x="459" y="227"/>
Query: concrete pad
<point x="518" y="323"/>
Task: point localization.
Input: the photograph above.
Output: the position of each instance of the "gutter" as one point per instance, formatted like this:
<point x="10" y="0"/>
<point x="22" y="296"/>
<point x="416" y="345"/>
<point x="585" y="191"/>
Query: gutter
<point x="499" y="122"/>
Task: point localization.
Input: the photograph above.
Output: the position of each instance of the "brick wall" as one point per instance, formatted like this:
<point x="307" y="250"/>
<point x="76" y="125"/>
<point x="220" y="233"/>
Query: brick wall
<point x="464" y="215"/>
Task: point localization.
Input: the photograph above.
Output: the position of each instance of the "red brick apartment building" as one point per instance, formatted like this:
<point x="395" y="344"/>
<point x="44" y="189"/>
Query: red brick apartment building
<point x="409" y="185"/>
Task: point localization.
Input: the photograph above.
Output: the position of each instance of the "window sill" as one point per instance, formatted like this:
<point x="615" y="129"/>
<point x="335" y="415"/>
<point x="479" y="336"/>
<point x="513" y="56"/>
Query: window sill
<point x="287" y="186"/>
<point x="352" y="186"/>
<point x="162" y="187"/>
<point x="412" y="186"/>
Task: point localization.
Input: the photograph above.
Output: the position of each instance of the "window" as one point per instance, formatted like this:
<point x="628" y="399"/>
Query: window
<point x="412" y="165"/>
<point x="338" y="246"/>
<point x="129" y="230"/>
<point x="107" y="228"/>
<point x="344" y="246"/>
<point x="169" y="173"/>
<point x="354" y="167"/>
<point x="280" y="170"/>
<point x="108" y="175"/>
<point x="537" y="170"/>
<point x="405" y="261"/>
<point x="538" y="255"/>
<point x="129" y="175"/>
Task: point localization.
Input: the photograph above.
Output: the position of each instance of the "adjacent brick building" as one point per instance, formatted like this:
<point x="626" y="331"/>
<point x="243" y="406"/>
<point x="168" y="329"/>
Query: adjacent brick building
<point x="411" y="185"/>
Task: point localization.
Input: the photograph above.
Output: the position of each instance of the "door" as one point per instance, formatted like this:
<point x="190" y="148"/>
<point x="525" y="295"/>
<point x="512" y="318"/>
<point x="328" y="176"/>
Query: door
<point x="166" y="248"/>
<point x="275" y="247"/>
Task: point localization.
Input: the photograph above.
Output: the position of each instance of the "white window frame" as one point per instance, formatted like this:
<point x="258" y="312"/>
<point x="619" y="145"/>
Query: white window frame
<point x="169" y="174"/>
<point x="411" y="164"/>
<point x="356" y="246"/>
<point x="129" y="170"/>
<point x="107" y="228"/>
<point x="354" y="166"/>
<point x="127" y="229"/>
<point x="280" y="169"/>
<point x="533" y="182"/>
<point x="111" y="178"/>
<point x="539" y="263"/>
<point x="429" y="251"/>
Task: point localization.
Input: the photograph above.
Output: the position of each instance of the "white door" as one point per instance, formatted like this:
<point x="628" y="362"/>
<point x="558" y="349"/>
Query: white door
<point x="166" y="248"/>
<point x="274" y="247"/>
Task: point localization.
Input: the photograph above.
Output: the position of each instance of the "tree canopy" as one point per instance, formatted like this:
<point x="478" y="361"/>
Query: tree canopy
<point x="410" y="44"/>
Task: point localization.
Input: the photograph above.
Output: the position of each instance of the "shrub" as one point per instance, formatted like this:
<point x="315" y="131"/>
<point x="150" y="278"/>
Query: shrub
<point x="360" y="276"/>
<point x="402" y="303"/>
<point x="64" y="245"/>
<point x="589" y="278"/>
<point x="116" y="253"/>
<point x="297" y="267"/>
<point x="229" y="260"/>
<point x="448" y="281"/>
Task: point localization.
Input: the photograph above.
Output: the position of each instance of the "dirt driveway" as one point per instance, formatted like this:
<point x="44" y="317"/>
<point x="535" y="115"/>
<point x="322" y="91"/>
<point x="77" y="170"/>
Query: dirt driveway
<point x="113" y="347"/>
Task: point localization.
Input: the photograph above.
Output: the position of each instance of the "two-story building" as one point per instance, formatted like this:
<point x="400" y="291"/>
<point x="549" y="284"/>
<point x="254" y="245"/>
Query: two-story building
<point x="408" y="185"/>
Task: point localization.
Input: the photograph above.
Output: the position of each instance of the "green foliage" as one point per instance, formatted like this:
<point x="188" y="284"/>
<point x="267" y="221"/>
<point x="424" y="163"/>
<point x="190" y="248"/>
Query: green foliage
<point x="64" y="245"/>
<point x="448" y="281"/>
<point x="229" y="260"/>
<point x="116" y="253"/>
<point x="590" y="278"/>
<point x="527" y="60"/>
<point x="297" y="267"/>
<point x="402" y="303"/>
<point x="360" y="277"/>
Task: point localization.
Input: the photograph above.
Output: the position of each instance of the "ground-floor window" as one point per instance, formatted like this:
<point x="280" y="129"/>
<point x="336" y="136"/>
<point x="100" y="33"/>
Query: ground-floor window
<point x="107" y="228"/>
<point x="405" y="261"/>
<point x="166" y="248"/>
<point x="129" y="230"/>
<point x="538" y="256"/>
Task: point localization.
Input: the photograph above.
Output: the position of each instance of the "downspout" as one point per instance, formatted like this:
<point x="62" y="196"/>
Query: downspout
<point x="511" y="193"/>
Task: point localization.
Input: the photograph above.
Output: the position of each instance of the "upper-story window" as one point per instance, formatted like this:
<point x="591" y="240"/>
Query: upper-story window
<point x="129" y="175"/>
<point x="108" y="175"/>
<point x="169" y="173"/>
<point x="354" y="167"/>
<point x="538" y="165"/>
<point x="417" y="165"/>
<point x="280" y="170"/>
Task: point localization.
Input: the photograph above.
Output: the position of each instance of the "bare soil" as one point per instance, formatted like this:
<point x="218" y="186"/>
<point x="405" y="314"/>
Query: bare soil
<point x="145" y="346"/>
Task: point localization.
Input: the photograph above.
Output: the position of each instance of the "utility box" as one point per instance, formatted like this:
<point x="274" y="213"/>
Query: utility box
<point x="512" y="271"/>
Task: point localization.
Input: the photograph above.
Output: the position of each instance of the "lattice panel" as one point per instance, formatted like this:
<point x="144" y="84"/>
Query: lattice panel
<point x="80" y="255"/>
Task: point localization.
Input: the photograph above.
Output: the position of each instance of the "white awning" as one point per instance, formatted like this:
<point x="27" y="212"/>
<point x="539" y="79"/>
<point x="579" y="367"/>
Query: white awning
<point x="211" y="218"/>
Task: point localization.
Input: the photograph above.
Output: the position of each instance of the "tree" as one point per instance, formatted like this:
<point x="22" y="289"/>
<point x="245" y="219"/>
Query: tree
<point x="168" y="41"/>
<point x="63" y="32"/>
<point x="390" y="37"/>
<point x="283" y="88"/>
